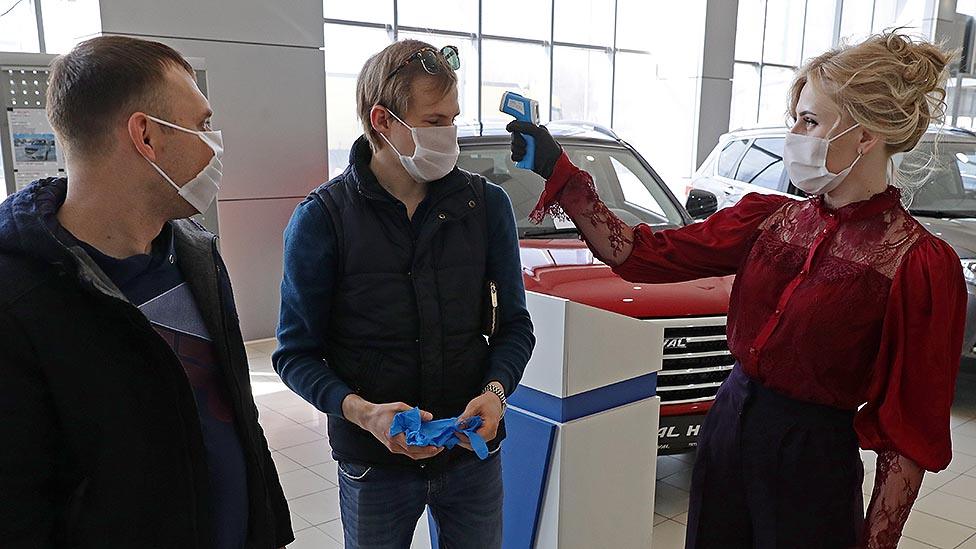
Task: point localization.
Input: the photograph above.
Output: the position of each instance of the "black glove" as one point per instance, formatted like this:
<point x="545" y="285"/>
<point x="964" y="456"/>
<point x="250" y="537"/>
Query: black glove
<point x="547" y="151"/>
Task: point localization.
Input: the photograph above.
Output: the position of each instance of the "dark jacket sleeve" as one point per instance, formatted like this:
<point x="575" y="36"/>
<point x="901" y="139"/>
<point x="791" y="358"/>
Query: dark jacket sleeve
<point x="283" y="534"/>
<point x="29" y="499"/>
<point x="306" y="299"/>
<point x="276" y="497"/>
<point x="511" y="346"/>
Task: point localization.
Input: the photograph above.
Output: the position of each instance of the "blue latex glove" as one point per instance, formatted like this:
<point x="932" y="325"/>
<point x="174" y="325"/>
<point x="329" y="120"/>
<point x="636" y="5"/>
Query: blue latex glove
<point x="442" y="433"/>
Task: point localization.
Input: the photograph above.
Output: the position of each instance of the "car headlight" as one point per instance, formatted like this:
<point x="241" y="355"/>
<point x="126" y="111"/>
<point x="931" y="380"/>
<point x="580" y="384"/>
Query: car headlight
<point x="969" y="270"/>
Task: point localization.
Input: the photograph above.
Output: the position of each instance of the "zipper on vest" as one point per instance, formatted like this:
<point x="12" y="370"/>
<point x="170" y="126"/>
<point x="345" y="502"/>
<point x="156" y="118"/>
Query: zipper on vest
<point x="493" y="292"/>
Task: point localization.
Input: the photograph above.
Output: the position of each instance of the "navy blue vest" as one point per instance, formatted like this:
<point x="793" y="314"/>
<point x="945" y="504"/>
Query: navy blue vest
<point x="406" y="316"/>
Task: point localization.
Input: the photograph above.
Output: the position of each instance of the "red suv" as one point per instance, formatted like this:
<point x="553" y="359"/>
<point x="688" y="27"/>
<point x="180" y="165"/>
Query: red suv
<point x="689" y="318"/>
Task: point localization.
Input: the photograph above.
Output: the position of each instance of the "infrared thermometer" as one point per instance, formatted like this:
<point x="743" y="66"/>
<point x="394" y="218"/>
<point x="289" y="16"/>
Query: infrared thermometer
<point x="526" y="110"/>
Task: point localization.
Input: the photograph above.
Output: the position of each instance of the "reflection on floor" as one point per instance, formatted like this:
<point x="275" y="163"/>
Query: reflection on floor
<point x="944" y="516"/>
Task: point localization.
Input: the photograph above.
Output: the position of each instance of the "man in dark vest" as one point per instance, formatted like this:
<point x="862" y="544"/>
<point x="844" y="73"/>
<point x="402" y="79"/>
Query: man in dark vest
<point x="126" y="414"/>
<point x="394" y="272"/>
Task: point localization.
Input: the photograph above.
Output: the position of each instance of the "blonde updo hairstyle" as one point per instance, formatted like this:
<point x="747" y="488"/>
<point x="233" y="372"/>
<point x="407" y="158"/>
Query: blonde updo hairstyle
<point x="890" y="84"/>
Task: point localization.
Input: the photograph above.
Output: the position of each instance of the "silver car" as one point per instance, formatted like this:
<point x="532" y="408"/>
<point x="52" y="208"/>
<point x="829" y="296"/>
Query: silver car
<point x="746" y="161"/>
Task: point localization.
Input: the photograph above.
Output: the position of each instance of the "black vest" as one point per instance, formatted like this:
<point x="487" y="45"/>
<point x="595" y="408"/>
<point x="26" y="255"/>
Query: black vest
<point x="406" y="315"/>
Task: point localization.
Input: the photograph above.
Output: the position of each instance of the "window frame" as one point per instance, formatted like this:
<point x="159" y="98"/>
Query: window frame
<point x="394" y="28"/>
<point x="738" y="159"/>
<point x="752" y="181"/>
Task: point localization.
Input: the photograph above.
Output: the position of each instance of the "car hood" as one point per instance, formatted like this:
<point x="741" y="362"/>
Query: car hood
<point x="567" y="269"/>
<point x="959" y="233"/>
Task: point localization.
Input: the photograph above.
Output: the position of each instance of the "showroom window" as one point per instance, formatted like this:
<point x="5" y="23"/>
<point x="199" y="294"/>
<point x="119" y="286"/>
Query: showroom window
<point x="589" y="61"/>
<point x="44" y="26"/>
<point x="774" y="37"/>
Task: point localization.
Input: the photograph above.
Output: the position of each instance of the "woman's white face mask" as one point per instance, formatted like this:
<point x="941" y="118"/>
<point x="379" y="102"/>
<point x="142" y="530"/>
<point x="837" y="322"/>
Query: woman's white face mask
<point x="435" y="151"/>
<point x="805" y="158"/>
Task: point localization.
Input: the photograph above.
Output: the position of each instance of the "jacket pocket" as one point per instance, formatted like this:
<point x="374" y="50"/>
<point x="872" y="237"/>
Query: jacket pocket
<point x="369" y="370"/>
<point x="358" y="370"/>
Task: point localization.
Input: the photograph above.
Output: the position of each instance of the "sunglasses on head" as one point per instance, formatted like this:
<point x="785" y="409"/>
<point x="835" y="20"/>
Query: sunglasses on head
<point x="428" y="59"/>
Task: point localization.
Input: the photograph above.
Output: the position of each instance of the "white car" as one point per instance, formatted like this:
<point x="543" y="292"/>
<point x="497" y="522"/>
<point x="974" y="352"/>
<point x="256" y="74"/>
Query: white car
<point x="743" y="162"/>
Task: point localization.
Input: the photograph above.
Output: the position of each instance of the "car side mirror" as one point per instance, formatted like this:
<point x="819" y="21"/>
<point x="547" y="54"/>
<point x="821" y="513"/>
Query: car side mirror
<point x="701" y="204"/>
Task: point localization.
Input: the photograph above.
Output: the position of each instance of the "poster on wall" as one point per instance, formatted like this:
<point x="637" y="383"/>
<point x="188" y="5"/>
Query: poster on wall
<point x="35" y="151"/>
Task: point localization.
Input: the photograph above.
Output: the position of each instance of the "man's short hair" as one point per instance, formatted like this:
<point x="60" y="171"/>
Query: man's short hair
<point x="375" y="86"/>
<point x="102" y="80"/>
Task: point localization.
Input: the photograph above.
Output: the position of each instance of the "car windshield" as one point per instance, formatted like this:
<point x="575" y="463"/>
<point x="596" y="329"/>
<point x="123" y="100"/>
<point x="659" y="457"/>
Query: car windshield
<point x="627" y="187"/>
<point x="950" y="178"/>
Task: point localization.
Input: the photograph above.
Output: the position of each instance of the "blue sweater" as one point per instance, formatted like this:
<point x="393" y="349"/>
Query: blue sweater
<point x="310" y="265"/>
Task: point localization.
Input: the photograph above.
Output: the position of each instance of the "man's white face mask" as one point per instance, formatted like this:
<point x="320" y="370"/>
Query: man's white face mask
<point x="435" y="151"/>
<point x="202" y="190"/>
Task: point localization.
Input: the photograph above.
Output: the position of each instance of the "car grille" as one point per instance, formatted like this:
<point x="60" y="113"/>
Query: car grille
<point x="696" y="362"/>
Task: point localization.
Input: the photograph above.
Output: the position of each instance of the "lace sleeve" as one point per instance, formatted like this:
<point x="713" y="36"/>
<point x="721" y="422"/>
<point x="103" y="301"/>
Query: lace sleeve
<point x="895" y="488"/>
<point x="570" y="192"/>
<point x="715" y="247"/>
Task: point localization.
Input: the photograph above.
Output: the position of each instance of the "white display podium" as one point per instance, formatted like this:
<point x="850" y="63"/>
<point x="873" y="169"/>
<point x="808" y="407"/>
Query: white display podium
<point x="581" y="452"/>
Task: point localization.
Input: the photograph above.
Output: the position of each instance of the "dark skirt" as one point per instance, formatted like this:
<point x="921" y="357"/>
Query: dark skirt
<point x="774" y="472"/>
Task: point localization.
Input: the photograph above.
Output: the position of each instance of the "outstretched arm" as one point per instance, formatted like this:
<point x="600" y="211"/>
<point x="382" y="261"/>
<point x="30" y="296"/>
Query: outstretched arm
<point x="715" y="247"/>
<point x="570" y="193"/>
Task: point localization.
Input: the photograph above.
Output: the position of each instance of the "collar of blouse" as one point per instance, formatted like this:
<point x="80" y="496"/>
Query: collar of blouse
<point x="864" y="209"/>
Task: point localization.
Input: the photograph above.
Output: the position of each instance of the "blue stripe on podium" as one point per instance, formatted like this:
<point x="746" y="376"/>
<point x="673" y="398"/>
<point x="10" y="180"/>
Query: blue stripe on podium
<point x="527" y="452"/>
<point x="526" y="457"/>
<point x="584" y="404"/>
<point x="525" y="469"/>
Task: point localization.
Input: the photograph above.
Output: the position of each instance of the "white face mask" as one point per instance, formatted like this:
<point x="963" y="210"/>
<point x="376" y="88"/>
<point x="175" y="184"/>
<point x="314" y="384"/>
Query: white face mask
<point x="805" y="158"/>
<point x="435" y="151"/>
<point x="202" y="190"/>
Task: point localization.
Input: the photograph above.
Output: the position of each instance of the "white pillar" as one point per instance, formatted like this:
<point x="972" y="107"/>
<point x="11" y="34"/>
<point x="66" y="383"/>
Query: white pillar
<point x="940" y="24"/>
<point x="266" y="82"/>
<point x="715" y="80"/>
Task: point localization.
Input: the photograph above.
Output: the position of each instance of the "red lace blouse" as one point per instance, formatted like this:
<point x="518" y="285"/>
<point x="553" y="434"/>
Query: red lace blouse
<point x="856" y="306"/>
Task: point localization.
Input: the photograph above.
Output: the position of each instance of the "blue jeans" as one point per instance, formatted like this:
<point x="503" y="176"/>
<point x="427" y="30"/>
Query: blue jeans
<point x="380" y="507"/>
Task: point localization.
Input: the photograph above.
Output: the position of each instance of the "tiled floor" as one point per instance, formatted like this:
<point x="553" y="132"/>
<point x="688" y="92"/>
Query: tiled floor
<point x="944" y="516"/>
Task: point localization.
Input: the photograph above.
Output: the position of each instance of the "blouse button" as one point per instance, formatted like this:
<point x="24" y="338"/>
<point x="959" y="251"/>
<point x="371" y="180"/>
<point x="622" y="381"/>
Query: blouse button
<point x="778" y="312"/>
<point x="442" y="216"/>
<point x="752" y="351"/>
<point x="472" y="204"/>
<point x="825" y="232"/>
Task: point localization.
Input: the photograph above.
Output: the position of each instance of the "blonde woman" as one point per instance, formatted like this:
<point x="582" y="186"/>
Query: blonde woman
<point x="846" y="316"/>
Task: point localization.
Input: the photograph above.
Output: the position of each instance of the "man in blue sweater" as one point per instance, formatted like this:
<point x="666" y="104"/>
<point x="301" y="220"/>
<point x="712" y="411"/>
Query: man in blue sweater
<point x="394" y="273"/>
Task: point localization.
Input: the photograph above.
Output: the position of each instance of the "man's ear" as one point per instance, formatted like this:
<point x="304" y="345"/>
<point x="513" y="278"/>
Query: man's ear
<point x="140" y="135"/>
<point x="380" y="119"/>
